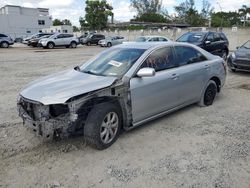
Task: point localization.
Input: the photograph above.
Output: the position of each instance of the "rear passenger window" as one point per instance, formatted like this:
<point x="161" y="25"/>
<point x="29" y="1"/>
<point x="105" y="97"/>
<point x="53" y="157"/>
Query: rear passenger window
<point x="160" y="59"/>
<point x="162" y="39"/>
<point x="154" y="39"/>
<point x="188" y="55"/>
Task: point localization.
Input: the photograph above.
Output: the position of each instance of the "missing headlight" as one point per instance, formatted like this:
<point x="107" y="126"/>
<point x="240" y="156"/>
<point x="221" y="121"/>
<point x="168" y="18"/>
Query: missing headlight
<point x="58" y="109"/>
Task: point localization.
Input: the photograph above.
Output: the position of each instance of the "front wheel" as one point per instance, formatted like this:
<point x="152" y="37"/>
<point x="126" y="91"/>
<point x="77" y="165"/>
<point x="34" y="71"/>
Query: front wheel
<point x="73" y="44"/>
<point x="109" y="44"/>
<point x="5" y="44"/>
<point x="209" y="94"/>
<point x="50" y="45"/>
<point x="103" y="125"/>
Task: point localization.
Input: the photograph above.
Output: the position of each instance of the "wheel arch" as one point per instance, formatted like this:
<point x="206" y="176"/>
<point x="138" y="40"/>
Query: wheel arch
<point x="217" y="81"/>
<point x="88" y="106"/>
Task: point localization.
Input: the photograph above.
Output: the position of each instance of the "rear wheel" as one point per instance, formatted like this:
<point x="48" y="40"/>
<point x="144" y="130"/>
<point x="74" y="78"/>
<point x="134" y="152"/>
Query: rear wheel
<point x="5" y="44"/>
<point x="209" y="94"/>
<point x="103" y="125"/>
<point x="50" y="45"/>
<point x="88" y="43"/>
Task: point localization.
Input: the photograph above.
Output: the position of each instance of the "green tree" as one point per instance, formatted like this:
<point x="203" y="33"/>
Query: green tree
<point x="150" y="11"/>
<point x="225" y="19"/>
<point x="150" y="17"/>
<point x="243" y="11"/>
<point x="187" y="13"/>
<point x="75" y="29"/>
<point x="57" y="22"/>
<point x="147" y="6"/>
<point x="97" y="13"/>
<point x="66" y="22"/>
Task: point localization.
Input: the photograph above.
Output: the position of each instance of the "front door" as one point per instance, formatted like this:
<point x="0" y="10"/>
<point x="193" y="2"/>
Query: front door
<point x="156" y="94"/>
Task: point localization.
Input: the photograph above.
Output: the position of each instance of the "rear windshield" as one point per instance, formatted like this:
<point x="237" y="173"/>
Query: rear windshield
<point x="191" y="37"/>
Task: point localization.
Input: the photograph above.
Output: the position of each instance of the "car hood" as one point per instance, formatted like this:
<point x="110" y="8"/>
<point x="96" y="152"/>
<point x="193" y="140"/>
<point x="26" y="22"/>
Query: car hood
<point x="242" y="53"/>
<point x="59" y="87"/>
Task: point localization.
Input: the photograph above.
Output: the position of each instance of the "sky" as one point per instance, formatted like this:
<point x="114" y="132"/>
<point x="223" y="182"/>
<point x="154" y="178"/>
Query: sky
<point x="73" y="9"/>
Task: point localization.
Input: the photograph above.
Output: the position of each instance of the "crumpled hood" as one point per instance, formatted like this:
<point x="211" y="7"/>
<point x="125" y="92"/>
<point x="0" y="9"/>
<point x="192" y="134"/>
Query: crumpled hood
<point x="59" y="87"/>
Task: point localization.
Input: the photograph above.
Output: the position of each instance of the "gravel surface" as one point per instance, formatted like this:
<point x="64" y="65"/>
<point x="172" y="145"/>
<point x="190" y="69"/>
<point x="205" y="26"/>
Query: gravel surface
<point x="193" y="147"/>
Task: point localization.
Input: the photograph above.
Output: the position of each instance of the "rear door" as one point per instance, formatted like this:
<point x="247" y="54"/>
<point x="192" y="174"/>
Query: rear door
<point x="193" y="72"/>
<point x="67" y="39"/>
<point x="153" y="95"/>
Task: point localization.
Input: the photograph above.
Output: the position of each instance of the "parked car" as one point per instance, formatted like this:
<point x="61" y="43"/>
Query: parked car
<point x="18" y="40"/>
<point x="85" y="35"/>
<point x="5" y="41"/>
<point x="38" y="35"/>
<point x="63" y="39"/>
<point x="240" y="59"/>
<point x="121" y="88"/>
<point x="92" y="39"/>
<point x="213" y="42"/>
<point x="111" y="41"/>
<point x="34" y="42"/>
<point x="152" y="39"/>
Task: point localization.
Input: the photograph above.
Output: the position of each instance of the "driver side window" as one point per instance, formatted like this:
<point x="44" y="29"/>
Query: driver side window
<point x="160" y="59"/>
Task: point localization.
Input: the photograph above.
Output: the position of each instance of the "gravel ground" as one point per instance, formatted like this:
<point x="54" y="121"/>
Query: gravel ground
<point x="194" y="147"/>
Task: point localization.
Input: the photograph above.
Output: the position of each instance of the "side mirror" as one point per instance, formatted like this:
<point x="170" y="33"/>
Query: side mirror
<point x="208" y="42"/>
<point x="237" y="47"/>
<point x="146" y="72"/>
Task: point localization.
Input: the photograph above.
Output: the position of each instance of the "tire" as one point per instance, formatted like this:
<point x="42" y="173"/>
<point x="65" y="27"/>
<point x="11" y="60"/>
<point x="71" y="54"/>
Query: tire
<point x="109" y="44"/>
<point x="73" y="44"/>
<point x="5" y="44"/>
<point x="88" y="43"/>
<point x="209" y="94"/>
<point x="97" y="128"/>
<point x="50" y="45"/>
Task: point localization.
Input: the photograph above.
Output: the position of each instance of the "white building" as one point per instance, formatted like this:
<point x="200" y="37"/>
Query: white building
<point x="59" y="29"/>
<point x="19" y="21"/>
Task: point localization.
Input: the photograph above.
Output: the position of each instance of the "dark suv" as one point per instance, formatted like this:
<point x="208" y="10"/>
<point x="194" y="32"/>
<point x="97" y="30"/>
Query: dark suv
<point x="213" y="42"/>
<point x="92" y="39"/>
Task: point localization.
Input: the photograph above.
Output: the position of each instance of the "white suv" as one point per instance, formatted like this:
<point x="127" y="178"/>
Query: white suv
<point x="67" y="40"/>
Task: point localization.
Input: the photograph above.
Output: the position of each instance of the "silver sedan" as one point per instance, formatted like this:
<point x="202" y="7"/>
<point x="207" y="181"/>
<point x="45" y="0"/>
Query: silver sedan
<point x="111" y="41"/>
<point x="121" y="88"/>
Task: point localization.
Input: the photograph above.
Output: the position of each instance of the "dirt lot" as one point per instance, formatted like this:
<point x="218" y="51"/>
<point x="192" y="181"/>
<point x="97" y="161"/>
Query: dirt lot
<point x="194" y="147"/>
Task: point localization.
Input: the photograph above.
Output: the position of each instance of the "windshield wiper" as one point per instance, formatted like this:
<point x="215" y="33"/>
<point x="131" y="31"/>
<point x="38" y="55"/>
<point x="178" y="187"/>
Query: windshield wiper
<point x="90" y="72"/>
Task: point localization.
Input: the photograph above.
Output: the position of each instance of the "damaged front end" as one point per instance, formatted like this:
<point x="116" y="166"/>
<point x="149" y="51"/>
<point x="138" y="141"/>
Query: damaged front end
<point x="62" y="120"/>
<point x="47" y="121"/>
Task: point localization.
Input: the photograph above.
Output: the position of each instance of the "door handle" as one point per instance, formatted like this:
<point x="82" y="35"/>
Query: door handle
<point x="174" y="76"/>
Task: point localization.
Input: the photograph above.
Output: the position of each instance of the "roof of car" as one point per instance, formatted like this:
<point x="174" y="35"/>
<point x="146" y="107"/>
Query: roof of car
<point x="145" y="45"/>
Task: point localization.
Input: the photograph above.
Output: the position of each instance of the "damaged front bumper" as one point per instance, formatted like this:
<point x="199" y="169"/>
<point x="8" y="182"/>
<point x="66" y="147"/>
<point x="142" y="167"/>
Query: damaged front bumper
<point x="47" y="128"/>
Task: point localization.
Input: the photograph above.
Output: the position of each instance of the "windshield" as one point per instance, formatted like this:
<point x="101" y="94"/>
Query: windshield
<point x="115" y="62"/>
<point x="191" y="37"/>
<point x="246" y="45"/>
<point x="141" y="39"/>
<point x="53" y="36"/>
